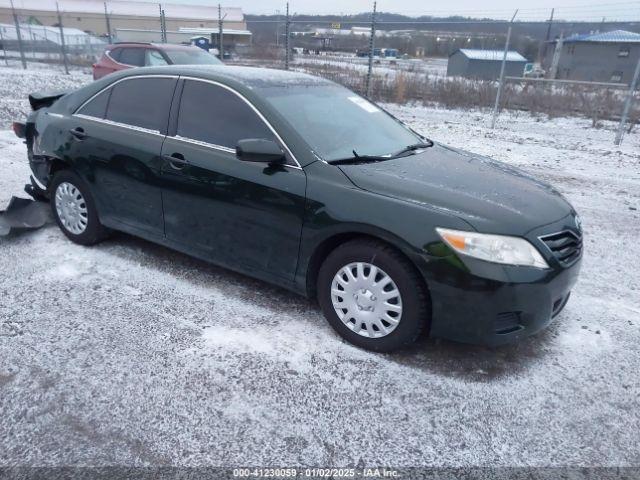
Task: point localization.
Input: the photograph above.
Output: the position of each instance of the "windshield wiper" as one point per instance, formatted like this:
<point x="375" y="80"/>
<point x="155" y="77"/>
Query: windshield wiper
<point x="360" y="159"/>
<point x="413" y="148"/>
<point x="381" y="158"/>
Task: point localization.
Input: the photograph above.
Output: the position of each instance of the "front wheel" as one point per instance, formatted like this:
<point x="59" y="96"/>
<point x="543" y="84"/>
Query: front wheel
<point x="372" y="296"/>
<point x="74" y="209"/>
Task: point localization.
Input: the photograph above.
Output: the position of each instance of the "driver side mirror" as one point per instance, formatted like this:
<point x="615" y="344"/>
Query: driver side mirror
<point x="259" y="150"/>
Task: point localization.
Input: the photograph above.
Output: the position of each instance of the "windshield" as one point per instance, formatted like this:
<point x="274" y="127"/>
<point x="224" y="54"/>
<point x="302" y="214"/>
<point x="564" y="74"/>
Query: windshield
<point x="335" y="121"/>
<point x="195" y="56"/>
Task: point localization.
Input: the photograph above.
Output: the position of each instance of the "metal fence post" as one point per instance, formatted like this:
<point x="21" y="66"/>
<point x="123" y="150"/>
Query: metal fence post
<point x="63" y="49"/>
<point x="542" y="51"/>
<point x="106" y="18"/>
<point x="371" y="47"/>
<point x="163" y="19"/>
<point x="46" y="43"/>
<point x="502" y="67"/>
<point x="6" y="60"/>
<point x="220" y="34"/>
<point x="627" y="105"/>
<point x="18" y="36"/>
<point x="555" y="60"/>
<point x="32" y="41"/>
<point x="91" y="54"/>
<point x="286" y="40"/>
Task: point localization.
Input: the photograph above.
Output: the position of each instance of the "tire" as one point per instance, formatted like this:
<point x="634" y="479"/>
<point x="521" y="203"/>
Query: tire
<point x="405" y="290"/>
<point x="70" y="192"/>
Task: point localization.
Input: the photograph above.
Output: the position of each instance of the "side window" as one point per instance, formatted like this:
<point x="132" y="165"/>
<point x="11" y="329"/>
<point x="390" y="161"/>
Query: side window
<point x="142" y="102"/>
<point x="154" y="57"/>
<point x="97" y="107"/>
<point x="115" y="54"/>
<point x="132" y="56"/>
<point x="212" y="114"/>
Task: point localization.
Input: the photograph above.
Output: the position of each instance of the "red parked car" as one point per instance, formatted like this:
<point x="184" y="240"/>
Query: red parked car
<point x="120" y="56"/>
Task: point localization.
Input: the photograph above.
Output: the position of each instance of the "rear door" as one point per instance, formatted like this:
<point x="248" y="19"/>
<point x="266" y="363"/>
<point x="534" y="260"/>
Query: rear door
<point x="119" y="135"/>
<point x="244" y="215"/>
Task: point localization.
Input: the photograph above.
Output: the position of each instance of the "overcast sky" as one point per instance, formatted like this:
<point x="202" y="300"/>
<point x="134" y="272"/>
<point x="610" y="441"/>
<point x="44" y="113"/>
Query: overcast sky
<point x="529" y="9"/>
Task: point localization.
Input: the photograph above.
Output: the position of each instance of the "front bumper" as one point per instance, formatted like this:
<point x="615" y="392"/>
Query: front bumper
<point x="490" y="312"/>
<point x="490" y="304"/>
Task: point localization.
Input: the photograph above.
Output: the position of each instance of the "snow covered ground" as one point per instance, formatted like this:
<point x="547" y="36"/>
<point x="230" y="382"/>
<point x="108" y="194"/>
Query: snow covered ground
<point x="129" y="354"/>
<point x="384" y="66"/>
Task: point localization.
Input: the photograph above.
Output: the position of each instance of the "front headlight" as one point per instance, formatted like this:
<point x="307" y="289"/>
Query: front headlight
<point x="493" y="248"/>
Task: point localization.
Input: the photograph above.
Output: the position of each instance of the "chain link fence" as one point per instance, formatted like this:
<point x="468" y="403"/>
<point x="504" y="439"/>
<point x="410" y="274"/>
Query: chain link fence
<point x="408" y="74"/>
<point x="381" y="58"/>
<point x="39" y="43"/>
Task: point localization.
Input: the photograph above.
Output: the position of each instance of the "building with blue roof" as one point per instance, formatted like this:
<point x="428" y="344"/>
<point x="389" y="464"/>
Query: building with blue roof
<point x="596" y="57"/>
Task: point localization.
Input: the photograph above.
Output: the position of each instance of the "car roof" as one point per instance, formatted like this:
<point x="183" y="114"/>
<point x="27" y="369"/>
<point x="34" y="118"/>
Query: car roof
<point x="251" y="77"/>
<point x="160" y="46"/>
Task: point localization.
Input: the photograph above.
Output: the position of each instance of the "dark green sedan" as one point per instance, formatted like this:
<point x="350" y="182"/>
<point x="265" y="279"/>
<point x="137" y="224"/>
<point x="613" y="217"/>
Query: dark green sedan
<point x="302" y="183"/>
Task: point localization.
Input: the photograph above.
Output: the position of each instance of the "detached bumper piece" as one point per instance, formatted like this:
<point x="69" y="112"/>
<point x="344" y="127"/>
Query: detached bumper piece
<point x="24" y="214"/>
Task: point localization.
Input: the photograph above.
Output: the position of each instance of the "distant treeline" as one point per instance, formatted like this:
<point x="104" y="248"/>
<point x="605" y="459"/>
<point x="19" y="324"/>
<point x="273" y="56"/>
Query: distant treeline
<point x="457" y="32"/>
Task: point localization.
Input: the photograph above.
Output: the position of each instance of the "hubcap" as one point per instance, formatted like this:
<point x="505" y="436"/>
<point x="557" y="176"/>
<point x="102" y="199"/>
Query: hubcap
<point x="71" y="208"/>
<point x="366" y="300"/>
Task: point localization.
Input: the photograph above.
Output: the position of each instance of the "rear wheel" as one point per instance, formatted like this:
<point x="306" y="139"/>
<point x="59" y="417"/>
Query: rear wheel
<point x="74" y="209"/>
<point x="372" y="295"/>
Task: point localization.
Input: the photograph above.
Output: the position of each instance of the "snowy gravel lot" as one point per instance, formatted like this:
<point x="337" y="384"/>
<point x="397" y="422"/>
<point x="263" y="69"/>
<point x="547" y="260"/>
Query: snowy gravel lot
<point x="129" y="354"/>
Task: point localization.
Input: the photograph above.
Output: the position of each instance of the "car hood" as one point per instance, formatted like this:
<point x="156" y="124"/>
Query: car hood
<point x="490" y="195"/>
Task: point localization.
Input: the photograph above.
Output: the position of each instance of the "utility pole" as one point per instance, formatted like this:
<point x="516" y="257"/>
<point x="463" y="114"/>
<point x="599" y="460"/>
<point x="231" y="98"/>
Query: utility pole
<point x="501" y="81"/>
<point x="371" y="47"/>
<point x="63" y="48"/>
<point x="220" y="33"/>
<point x="19" y="36"/>
<point x="106" y="17"/>
<point x="160" y="18"/>
<point x="287" y="27"/>
<point x="627" y="104"/>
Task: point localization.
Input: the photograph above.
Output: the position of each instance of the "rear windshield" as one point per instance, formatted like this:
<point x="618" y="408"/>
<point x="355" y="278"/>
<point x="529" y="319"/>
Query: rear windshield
<point x="335" y="121"/>
<point x="196" y="56"/>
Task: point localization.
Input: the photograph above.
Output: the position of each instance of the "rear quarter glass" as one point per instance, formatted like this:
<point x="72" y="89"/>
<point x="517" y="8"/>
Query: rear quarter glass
<point x="115" y="54"/>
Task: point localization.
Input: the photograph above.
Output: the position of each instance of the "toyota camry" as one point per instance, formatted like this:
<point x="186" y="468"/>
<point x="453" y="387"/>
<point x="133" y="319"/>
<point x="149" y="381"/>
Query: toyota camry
<point x="300" y="182"/>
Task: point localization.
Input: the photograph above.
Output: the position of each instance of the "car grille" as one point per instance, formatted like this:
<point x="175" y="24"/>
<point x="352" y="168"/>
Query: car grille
<point x="566" y="246"/>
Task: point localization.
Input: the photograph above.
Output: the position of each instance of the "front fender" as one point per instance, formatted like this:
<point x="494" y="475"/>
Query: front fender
<point x="337" y="209"/>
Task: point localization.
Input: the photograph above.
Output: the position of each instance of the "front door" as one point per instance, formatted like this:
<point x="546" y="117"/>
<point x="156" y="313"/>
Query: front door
<point x="119" y="136"/>
<point x="247" y="216"/>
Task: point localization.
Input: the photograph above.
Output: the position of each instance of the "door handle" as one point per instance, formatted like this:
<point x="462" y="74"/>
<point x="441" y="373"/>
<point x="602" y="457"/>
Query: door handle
<point x="78" y="133"/>
<point x="175" y="161"/>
